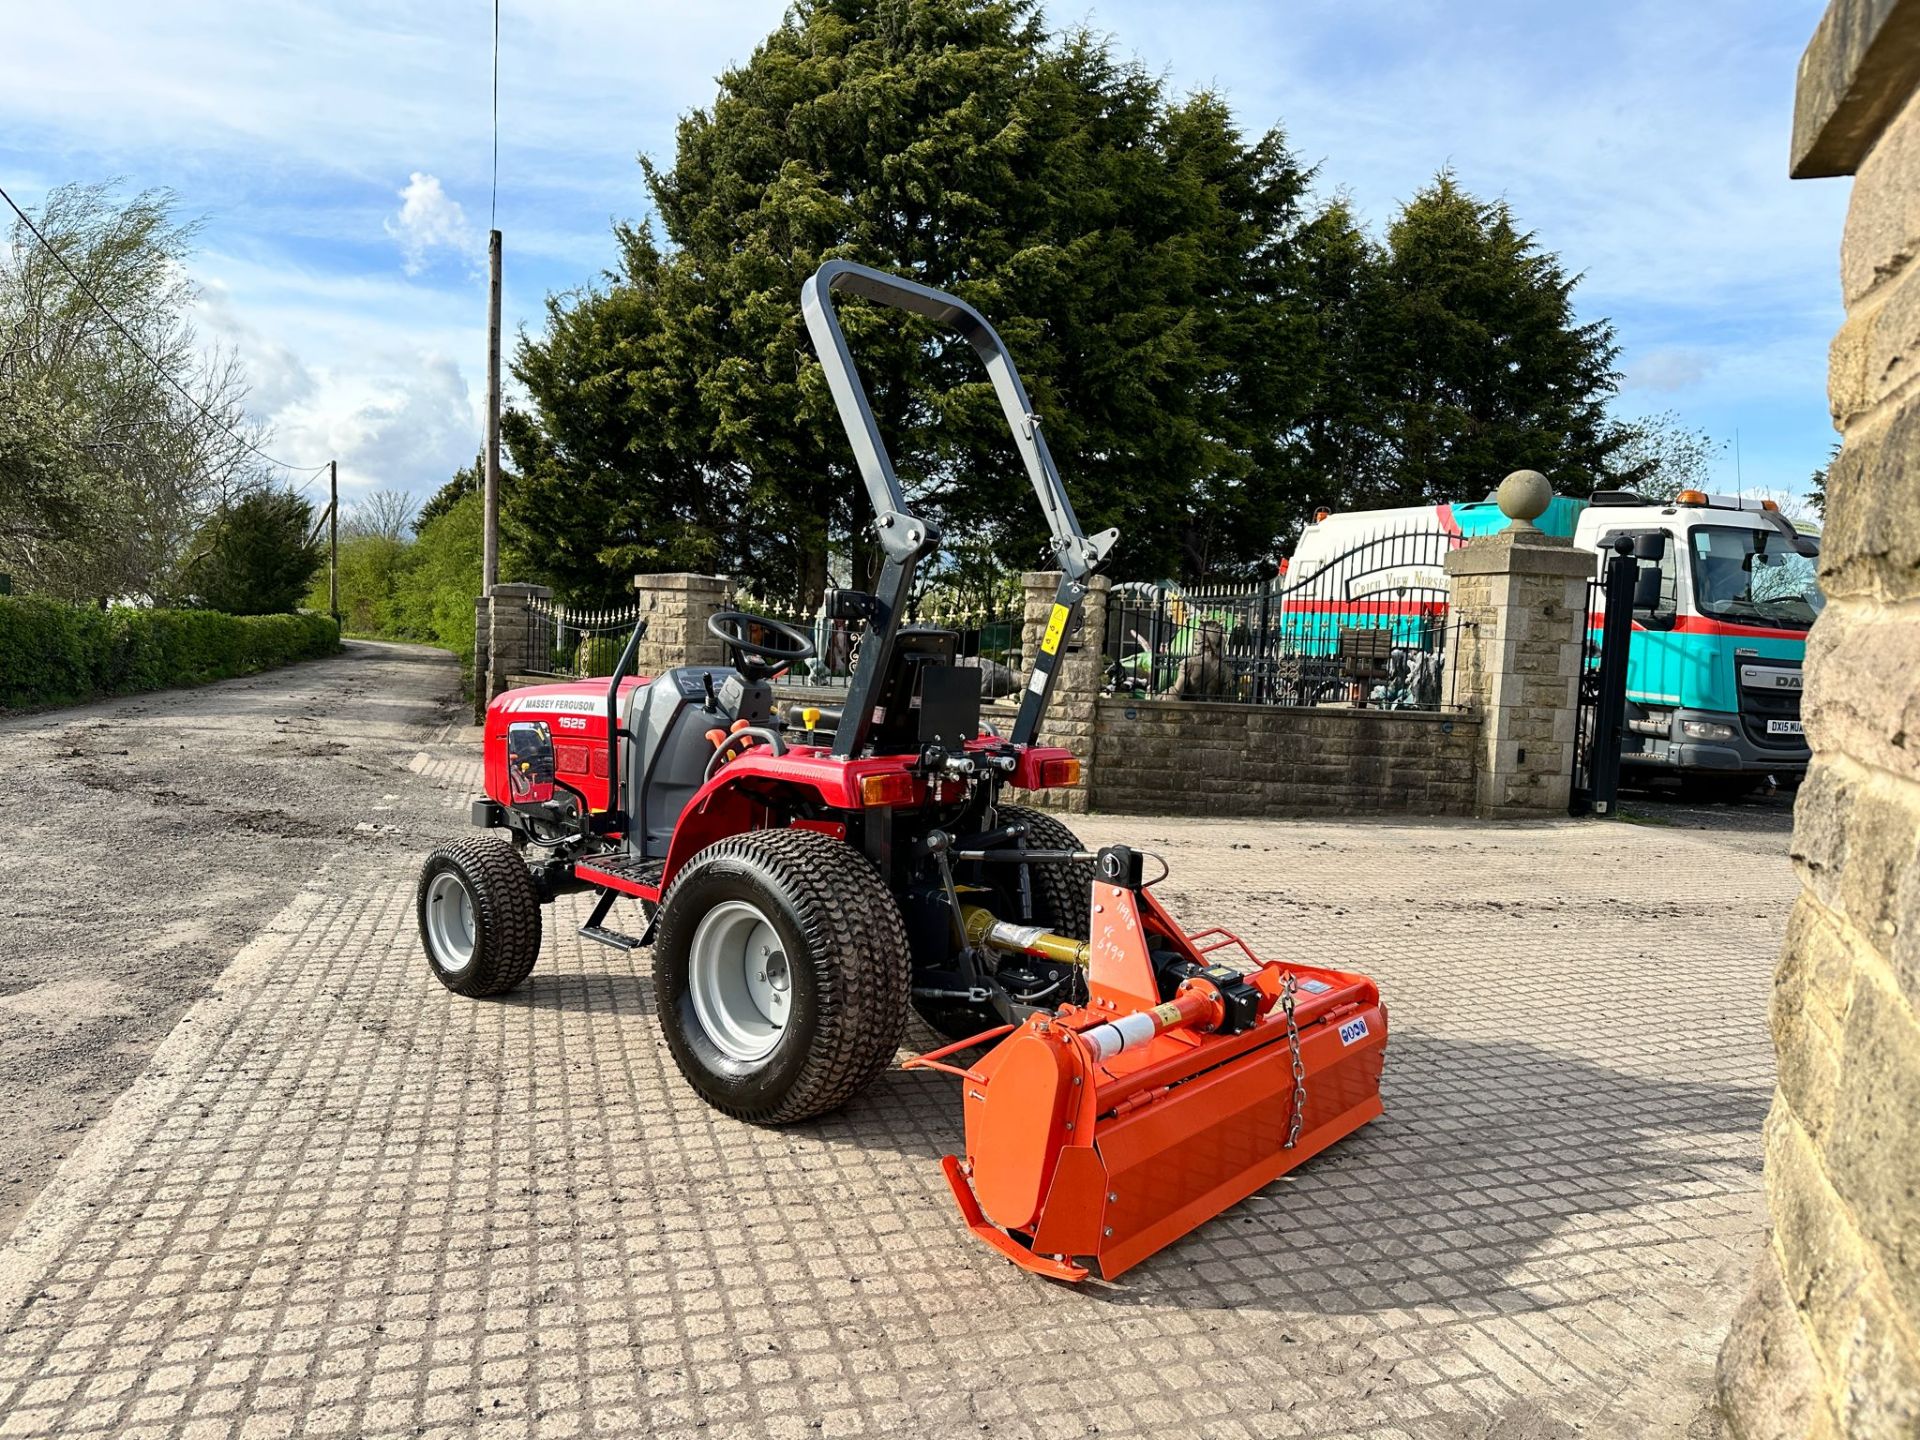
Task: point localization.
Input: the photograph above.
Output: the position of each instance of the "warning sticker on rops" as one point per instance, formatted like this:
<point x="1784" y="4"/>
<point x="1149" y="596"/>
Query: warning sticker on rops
<point x="1355" y="1029"/>
<point x="1056" y="628"/>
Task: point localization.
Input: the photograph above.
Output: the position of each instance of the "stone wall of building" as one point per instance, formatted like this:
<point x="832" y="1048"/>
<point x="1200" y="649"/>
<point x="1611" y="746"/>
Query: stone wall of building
<point x="1197" y="757"/>
<point x="1827" y="1343"/>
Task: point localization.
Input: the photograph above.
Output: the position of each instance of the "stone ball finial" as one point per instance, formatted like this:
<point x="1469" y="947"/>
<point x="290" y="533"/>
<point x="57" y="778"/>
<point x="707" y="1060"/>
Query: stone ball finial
<point x="1523" y="498"/>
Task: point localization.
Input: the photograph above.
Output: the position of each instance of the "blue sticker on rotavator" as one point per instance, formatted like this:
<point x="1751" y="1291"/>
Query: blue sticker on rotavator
<point x="1316" y="987"/>
<point x="1353" y="1030"/>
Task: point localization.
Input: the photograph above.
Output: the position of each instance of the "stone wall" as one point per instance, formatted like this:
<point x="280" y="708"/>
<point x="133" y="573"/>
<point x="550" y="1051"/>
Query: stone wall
<point x="1827" y="1343"/>
<point x="1186" y="757"/>
<point x="1211" y="758"/>
<point x="503" y="640"/>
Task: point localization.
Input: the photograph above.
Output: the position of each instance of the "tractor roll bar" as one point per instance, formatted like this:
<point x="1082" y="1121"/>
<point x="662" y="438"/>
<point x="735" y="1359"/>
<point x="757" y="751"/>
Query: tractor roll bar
<point x="905" y="540"/>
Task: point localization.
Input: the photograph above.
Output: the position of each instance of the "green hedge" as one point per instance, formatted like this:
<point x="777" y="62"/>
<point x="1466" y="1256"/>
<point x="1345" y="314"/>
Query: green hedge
<point x="53" y="654"/>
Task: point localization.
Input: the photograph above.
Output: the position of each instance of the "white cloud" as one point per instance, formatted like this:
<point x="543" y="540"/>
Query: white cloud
<point x="429" y="219"/>
<point x="1668" y="369"/>
<point x="407" y="428"/>
<point x="276" y="376"/>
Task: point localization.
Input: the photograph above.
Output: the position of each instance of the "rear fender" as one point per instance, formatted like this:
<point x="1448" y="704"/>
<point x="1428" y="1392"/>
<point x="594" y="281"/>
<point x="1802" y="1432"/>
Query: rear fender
<point x="736" y="799"/>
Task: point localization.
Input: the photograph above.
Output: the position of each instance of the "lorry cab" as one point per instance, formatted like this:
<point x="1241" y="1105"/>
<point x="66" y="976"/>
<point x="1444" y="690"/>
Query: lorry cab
<point x="1727" y="592"/>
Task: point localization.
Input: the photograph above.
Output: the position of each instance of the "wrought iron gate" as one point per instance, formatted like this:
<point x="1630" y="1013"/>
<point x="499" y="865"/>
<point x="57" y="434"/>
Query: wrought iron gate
<point x="1366" y="627"/>
<point x="570" y="642"/>
<point x="1600" y="720"/>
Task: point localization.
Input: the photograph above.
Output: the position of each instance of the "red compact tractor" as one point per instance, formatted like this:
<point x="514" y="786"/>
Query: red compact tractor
<point x="805" y="875"/>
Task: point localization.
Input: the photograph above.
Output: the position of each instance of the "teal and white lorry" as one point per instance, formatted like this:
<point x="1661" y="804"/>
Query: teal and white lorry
<point x="1727" y="592"/>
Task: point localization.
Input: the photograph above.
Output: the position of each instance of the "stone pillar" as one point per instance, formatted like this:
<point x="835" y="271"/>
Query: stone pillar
<point x="677" y="607"/>
<point x="482" y="637"/>
<point x="1827" y="1342"/>
<point x="1517" y="607"/>
<point x="1076" y="687"/>
<point x="503" y="641"/>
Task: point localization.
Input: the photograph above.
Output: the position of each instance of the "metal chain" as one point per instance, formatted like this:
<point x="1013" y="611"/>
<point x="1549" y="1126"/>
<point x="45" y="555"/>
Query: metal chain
<point x="1299" y="1067"/>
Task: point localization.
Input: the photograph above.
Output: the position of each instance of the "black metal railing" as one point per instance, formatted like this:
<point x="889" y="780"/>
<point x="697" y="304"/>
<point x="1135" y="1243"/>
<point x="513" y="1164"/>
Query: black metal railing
<point x="990" y="632"/>
<point x="569" y="642"/>
<point x="1368" y="626"/>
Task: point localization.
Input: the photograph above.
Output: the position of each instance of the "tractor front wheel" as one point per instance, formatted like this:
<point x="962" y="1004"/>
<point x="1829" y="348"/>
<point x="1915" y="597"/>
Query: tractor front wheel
<point x="479" y="916"/>
<point x="780" y="974"/>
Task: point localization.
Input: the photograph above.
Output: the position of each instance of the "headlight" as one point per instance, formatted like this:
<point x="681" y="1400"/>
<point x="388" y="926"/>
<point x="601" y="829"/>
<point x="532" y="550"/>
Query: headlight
<point x="1705" y="730"/>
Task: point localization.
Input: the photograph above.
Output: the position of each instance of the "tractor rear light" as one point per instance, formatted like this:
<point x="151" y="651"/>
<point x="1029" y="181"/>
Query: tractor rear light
<point x="599" y="763"/>
<point x="1059" y="772"/>
<point x="570" y="758"/>
<point x="896" y="787"/>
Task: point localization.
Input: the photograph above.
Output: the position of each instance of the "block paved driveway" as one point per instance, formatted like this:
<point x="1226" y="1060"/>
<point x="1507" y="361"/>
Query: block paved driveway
<point x="344" y="1202"/>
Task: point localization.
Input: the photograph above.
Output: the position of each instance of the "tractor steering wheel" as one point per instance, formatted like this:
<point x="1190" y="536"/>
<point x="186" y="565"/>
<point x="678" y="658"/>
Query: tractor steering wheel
<point x="765" y="656"/>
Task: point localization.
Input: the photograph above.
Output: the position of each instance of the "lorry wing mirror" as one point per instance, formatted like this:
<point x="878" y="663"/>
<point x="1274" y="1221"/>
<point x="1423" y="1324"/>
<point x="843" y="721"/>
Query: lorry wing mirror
<point x="1646" y="589"/>
<point x="1650" y="547"/>
<point x="529" y="763"/>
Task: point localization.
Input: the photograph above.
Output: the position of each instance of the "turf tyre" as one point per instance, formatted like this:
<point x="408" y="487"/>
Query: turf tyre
<point x="846" y="952"/>
<point x="505" y="915"/>
<point x="1062" y="894"/>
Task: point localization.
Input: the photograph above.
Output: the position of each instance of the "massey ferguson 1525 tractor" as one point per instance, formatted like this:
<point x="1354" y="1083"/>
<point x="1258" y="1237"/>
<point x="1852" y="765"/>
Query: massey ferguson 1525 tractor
<point x="805" y="875"/>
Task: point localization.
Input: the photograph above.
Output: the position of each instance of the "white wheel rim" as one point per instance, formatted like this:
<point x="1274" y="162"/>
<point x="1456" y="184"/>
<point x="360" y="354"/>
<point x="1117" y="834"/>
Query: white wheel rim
<point x="450" y="921"/>
<point x="740" y="981"/>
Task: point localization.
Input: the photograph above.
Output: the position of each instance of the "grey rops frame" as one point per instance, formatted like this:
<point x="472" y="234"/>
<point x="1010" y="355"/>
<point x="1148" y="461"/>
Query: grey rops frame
<point x="905" y="540"/>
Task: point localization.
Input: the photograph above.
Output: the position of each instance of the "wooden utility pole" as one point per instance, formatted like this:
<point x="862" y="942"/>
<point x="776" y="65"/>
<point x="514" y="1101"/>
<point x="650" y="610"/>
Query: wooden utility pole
<point x="333" y="539"/>
<point x="490" y="545"/>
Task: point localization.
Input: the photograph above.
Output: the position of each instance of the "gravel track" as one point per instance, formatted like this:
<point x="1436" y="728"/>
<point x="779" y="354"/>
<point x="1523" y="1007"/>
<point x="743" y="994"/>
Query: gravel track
<point x="148" y="838"/>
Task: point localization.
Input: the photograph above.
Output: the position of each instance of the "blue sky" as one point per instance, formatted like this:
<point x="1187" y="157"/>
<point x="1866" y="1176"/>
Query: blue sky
<point x="340" y="152"/>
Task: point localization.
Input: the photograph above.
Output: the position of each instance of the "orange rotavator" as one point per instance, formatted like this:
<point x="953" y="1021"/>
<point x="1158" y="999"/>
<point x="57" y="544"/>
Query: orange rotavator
<point x="810" y="874"/>
<point x="1112" y="1128"/>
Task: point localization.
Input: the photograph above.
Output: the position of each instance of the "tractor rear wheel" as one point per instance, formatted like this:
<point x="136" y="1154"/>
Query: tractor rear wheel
<point x="479" y="916"/>
<point x="780" y="974"/>
<point x="1062" y="895"/>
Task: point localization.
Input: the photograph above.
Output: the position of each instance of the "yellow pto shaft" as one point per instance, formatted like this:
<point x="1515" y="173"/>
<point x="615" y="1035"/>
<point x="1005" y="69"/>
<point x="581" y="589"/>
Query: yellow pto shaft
<point x="984" y="929"/>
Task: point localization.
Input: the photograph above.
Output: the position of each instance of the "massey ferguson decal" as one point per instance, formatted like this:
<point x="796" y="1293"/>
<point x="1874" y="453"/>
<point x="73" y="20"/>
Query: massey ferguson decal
<point x="573" y="704"/>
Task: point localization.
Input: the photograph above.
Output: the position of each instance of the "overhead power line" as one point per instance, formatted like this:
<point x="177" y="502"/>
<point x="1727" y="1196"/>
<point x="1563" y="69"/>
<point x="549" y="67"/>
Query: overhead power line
<point x="148" y="356"/>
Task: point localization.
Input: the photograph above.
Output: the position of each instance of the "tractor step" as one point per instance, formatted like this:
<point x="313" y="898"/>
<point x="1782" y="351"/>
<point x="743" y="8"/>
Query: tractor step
<point x="627" y="874"/>
<point x="596" y="930"/>
<point x="612" y="939"/>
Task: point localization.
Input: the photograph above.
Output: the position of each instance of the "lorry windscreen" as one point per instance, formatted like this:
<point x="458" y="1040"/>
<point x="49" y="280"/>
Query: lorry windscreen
<point x="1753" y="577"/>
